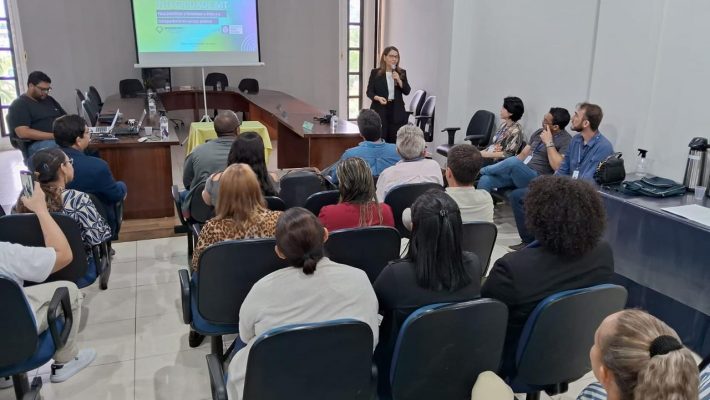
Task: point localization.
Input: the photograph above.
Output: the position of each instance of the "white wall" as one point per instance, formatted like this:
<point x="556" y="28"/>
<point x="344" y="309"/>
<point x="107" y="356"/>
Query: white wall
<point x="644" y="61"/>
<point x="91" y="42"/>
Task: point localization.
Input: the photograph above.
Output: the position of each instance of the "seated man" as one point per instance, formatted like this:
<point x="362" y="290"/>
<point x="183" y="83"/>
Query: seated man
<point x="413" y="168"/>
<point x="31" y="115"/>
<point x="462" y="166"/>
<point x="373" y="149"/>
<point x="542" y="156"/>
<point x="91" y="174"/>
<point x="586" y="150"/>
<point x="20" y="263"/>
<point x="211" y="157"/>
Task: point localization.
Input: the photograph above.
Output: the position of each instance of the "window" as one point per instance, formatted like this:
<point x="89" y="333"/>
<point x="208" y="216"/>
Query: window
<point x="354" y="67"/>
<point x="9" y="89"/>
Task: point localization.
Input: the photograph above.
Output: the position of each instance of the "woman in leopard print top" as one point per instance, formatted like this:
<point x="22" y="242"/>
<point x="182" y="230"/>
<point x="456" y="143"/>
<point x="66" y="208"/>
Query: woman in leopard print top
<point x="241" y="211"/>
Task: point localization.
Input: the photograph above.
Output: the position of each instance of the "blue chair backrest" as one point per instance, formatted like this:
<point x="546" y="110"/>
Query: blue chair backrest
<point x="555" y="342"/>
<point x="369" y="249"/>
<point x="442" y="348"/>
<point x="200" y="212"/>
<point x="24" y="229"/>
<point x="402" y="197"/>
<point x="327" y="360"/>
<point x="479" y="238"/>
<point x="17" y="325"/>
<point x="227" y="271"/>
<point x="298" y="185"/>
<point x="318" y="200"/>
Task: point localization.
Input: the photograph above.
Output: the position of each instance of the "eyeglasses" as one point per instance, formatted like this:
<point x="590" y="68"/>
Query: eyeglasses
<point x="44" y="90"/>
<point x="70" y="161"/>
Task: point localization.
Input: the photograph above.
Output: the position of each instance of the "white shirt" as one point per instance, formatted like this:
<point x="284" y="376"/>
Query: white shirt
<point x="21" y="263"/>
<point x="289" y="296"/>
<point x="390" y="86"/>
<point x="424" y="170"/>
<point x="475" y="204"/>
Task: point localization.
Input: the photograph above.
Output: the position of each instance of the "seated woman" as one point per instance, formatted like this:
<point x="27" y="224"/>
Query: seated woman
<point x="435" y="270"/>
<point x="241" y="211"/>
<point x="507" y="140"/>
<point x="358" y="204"/>
<point x="248" y="148"/>
<point x="567" y="218"/>
<point x="637" y="356"/>
<point x="53" y="169"/>
<point x="312" y="289"/>
<point x="414" y="167"/>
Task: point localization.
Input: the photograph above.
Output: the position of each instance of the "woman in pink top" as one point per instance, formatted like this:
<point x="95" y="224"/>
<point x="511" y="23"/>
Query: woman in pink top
<point x="358" y="202"/>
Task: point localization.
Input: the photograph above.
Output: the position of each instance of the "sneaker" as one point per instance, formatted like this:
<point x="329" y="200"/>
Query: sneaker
<point x="518" y="246"/>
<point x="62" y="372"/>
<point x="6" y="382"/>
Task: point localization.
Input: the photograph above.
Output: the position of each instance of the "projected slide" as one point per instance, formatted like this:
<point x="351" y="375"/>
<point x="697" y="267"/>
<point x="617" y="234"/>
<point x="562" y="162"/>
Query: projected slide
<point x="196" y="32"/>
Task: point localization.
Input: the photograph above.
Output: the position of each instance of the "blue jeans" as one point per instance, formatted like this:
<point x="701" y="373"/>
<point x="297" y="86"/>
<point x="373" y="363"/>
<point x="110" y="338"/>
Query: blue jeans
<point x="506" y="173"/>
<point x="515" y="198"/>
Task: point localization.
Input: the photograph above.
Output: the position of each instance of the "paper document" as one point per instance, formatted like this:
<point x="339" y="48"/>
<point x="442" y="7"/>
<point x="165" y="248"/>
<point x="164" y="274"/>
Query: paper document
<point x="692" y="212"/>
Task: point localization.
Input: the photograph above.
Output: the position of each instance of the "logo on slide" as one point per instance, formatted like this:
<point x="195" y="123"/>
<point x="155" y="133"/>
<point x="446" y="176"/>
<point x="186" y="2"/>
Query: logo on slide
<point x="250" y="44"/>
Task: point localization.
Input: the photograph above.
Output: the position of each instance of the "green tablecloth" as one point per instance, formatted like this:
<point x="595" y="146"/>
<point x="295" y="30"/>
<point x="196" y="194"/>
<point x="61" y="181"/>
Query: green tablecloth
<point x="200" y="132"/>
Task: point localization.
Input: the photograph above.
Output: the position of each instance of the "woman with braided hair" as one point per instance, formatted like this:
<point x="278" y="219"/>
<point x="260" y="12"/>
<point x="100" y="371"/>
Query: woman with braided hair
<point x="312" y="289"/>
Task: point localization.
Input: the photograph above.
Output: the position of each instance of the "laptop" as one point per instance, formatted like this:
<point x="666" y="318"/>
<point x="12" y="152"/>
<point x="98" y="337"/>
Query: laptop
<point x="127" y="130"/>
<point x="102" y="130"/>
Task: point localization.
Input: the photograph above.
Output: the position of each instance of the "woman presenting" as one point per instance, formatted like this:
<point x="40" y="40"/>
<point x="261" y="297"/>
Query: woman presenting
<point x="386" y="86"/>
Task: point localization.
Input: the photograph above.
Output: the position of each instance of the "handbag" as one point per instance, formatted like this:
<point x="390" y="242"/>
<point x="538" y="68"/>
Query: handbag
<point x="610" y="170"/>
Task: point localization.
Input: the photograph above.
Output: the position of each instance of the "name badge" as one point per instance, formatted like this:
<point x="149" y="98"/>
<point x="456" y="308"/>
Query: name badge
<point x="527" y="160"/>
<point x="575" y="174"/>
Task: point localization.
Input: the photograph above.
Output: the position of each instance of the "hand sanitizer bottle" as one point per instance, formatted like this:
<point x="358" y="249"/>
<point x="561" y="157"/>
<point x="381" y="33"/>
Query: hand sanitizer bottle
<point x="641" y="163"/>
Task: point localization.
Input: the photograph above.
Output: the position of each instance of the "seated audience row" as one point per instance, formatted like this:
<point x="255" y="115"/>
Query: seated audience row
<point x="508" y="138"/>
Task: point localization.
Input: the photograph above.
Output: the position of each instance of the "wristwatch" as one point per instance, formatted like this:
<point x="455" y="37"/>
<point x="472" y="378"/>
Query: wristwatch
<point x="550" y="144"/>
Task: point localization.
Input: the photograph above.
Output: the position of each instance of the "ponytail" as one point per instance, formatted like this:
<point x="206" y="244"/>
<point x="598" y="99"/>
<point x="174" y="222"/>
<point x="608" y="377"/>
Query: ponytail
<point x="669" y="376"/>
<point x="309" y="261"/>
<point x="299" y="237"/>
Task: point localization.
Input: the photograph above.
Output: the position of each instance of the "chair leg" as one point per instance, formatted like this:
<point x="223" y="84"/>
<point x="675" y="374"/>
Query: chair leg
<point x="190" y="244"/>
<point x="217" y="347"/>
<point x="533" y="396"/>
<point x="21" y="385"/>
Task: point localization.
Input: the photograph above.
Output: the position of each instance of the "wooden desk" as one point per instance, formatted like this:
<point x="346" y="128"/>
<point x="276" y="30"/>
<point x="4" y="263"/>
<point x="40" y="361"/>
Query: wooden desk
<point x="146" y="168"/>
<point x="283" y="115"/>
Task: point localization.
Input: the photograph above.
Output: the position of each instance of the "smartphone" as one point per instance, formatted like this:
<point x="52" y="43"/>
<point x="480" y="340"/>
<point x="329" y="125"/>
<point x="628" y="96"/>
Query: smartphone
<point x="28" y="184"/>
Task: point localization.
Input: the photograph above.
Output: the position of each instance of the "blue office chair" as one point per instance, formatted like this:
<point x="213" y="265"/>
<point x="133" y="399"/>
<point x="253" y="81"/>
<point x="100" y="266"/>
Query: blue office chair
<point x="479" y="238"/>
<point x="402" y="197"/>
<point x="274" y="203"/>
<point x="369" y="248"/>
<point x="22" y="349"/>
<point x="325" y="360"/>
<point x="318" y="200"/>
<point x="184" y="227"/>
<point x="212" y="297"/>
<point x="553" y="349"/>
<point x="442" y="348"/>
<point x="25" y="229"/>
<point x="298" y="185"/>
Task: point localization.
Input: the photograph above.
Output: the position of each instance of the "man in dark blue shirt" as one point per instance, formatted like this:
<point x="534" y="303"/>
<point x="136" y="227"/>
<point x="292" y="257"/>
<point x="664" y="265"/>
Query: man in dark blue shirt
<point x="91" y="174"/>
<point x="30" y="116"/>
<point x="586" y="150"/>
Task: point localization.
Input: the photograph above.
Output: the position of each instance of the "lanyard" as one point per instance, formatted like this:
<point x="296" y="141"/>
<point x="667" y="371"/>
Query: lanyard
<point x="537" y="147"/>
<point x="498" y="134"/>
<point x="589" y="146"/>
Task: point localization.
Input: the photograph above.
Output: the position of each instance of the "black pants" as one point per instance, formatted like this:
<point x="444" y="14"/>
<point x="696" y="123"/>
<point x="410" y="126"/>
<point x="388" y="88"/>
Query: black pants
<point x="390" y="126"/>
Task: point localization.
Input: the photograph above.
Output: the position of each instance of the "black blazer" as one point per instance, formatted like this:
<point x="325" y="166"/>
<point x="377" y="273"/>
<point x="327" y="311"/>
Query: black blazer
<point x="377" y="86"/>
<point x="524" y="278"/>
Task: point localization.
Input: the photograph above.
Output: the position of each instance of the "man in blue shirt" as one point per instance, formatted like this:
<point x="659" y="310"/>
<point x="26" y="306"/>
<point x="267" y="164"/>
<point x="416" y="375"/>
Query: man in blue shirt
<point x="91" y="174"/>
<point x="375" y="151"/>
<point x="586" y="150"/>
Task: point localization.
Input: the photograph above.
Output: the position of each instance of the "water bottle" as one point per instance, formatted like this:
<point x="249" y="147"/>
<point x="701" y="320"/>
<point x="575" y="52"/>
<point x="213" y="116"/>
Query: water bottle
<point x="167" y="86"/>
<point x="164" y="133"/>
<point x="219" y="85"/>
<point x="151" y="107"/>
<point x="333" y="122"/>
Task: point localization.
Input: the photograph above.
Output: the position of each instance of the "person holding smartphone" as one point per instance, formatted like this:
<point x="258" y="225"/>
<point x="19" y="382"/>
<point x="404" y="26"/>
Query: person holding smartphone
<point x="22" y="263"/>
<point x="386" y="86"/>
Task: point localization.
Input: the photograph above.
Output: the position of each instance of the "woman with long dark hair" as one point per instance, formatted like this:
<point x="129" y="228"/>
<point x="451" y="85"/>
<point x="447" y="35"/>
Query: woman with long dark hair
<point x="312" y="289"/>
<point x="435" y="270"/>
<point x="358" y="204"/>
<point x="247" y="148"/>
<point x="53" y="169"/>
<point x="386" y="86"/>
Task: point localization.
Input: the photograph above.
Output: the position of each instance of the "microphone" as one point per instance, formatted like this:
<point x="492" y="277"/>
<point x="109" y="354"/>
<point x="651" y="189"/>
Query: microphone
<point x="394" y="67"/>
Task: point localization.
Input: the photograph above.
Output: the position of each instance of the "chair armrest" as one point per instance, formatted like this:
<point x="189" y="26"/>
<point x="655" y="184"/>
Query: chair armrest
<point x="185" y="296"/>
<point x="475" y="139"/>
<point x="422" y="117"/>
<point x="98" y="259"/>
<point x="60" y="297"/>
<point x="452" y="134"/>
<point x="217" y="384"/>
<point x="196" y="229"/>
<point x="34" y="393"/>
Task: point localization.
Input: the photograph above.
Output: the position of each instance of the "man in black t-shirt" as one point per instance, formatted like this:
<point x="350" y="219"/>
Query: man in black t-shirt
<point x="31" y="115"/>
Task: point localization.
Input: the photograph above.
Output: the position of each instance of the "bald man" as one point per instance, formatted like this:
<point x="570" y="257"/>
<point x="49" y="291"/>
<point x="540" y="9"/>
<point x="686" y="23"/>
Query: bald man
<point x="211" y="157"/>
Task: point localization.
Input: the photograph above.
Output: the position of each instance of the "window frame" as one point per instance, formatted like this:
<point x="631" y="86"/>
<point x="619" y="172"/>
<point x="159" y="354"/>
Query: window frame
<point x="13" y="54"/>
<point x="359" y="50"/>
